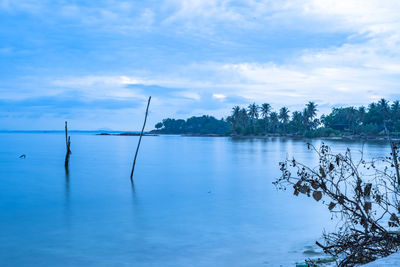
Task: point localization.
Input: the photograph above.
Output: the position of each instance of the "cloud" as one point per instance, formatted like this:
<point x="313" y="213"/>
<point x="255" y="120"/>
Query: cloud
<point x="196" y="56"/>
<point x="219" y="96"/>
<point x="53" y="104"/>
<point x="30" y="6"/>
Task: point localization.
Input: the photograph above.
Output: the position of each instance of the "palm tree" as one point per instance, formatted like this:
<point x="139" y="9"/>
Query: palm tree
<point x="309" y="113"/>
<point x="235" y="111"/>
<point x="253" y="110"/>
<point x="235" y="117"/>
<point x="395" y="110"/>
<point x="311" y="109"/>
<point x="297" y="120"/>
<point x="253" y="113"/>
<point x="265" y="110"/>
<point x="351" y="117"/>
<point x="284" y="117"/>
<point x="374" y="115"/>
<point x="243" y="118"/>
<point x="372" y="105"/>
<point x="361" y="114"/>
<point x="274" y="119"/>
<point x="383" y="105"/>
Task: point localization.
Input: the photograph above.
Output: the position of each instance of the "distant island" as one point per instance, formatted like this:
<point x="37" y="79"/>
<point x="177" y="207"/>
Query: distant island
<point x="127" y="134"/>
<point x="255" y="120"/>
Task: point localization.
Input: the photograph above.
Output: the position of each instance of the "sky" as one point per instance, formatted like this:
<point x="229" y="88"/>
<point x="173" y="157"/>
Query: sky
<point x="95" y="63"/>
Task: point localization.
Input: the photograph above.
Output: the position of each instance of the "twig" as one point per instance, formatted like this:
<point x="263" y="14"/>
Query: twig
<point x="394" y="155"/>
<point x="140" y="138"/>
<point x="360" y="235"/>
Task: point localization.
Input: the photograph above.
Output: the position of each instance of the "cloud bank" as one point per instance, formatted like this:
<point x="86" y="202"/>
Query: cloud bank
<point x="96" y="63"/>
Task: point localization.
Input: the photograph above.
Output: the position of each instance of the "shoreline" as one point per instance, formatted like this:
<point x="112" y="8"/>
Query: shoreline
<point x="339" y="138"/>
<point x="127" y="134"/>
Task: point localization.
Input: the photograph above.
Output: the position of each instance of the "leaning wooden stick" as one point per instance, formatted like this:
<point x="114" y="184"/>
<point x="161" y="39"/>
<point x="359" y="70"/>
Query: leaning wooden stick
<point x="68" y="144"/>
<point x="140" y="138"/>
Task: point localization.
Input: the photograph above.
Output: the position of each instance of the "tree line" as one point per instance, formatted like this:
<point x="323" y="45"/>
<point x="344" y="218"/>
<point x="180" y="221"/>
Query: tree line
<point x="262" y="119"/>
<point x="194" y="125"/>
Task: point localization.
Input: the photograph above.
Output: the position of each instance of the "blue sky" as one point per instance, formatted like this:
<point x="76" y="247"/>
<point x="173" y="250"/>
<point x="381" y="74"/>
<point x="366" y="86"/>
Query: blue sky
<point x="94" y="63"/>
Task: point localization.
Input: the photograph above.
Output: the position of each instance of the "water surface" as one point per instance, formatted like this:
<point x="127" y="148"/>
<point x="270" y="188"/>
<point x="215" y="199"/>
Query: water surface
<point x="196" y="201"/>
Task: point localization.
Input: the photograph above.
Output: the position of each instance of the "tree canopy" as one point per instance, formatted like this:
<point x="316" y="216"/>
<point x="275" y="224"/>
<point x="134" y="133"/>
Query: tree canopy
<point x="194" y="125"/>
<point x="263" y="120"/>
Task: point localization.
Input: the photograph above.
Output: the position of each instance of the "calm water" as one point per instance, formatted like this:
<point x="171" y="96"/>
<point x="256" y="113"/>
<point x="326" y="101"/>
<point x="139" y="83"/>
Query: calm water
<point x="195" y="202"/>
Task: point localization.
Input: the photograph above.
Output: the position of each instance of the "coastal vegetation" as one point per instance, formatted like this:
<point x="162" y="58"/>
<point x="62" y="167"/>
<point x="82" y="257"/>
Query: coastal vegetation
<point x="194" y="125"/>
<point x="259" y="120"/>
<point x="362" y="196"/>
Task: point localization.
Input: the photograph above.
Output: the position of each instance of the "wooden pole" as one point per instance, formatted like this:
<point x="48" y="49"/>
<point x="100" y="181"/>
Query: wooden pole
<point x="68" y="144"/>
<point x="140" y="138"/>
<point x="66" y="133"/>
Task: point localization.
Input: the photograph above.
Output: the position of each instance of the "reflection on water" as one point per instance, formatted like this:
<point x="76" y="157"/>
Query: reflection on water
<point x="195" y="201"/>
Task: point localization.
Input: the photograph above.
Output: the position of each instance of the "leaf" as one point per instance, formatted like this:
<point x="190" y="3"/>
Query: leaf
<point x="341" y="199"/>
<point x="394" y="218"/>
<point x="367" y="206"/>
<point x="317" y="195"/>
<point x="315" y="185"/>
<point x="323" y="185"/>
<point x="331" y="167"/>
<point x="303" y="189"/>
<point x="298" y="183"/>
<point x="378" y="199"/>
<point x="331" y="206"/>
<point x="367" y="189"/>
<point x="321" y="170"/>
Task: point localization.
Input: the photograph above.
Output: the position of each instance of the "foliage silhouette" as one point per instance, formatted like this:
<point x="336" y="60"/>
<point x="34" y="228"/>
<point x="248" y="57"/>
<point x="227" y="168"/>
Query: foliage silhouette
<point x="363" y="196"/>
<point x="262" y="120"/>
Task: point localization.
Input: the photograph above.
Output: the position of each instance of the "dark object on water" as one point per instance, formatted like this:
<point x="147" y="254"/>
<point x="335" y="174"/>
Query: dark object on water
<point x="68" y="144"/>
<point x="127" y="134"/>
<point x="136" y="134"/>
<point x="22" y="156"/>
<point x="140" y="138"/>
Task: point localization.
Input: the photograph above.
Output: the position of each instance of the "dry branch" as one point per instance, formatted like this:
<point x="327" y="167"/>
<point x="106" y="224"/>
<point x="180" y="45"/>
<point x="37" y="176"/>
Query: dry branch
<point x="361" y="195"/>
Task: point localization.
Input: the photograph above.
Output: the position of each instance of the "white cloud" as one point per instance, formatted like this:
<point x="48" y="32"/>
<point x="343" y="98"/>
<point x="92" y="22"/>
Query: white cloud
<point x="365" y="67"/>
<point x="372" y="17"/>
<point x="30" y="6"/>
<point x="219" y="96"/>
<point x="188" y="95"/>
<point x="100" y="87"/>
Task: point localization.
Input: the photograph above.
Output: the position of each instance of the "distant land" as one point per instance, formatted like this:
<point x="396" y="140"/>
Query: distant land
<point x="343" y="122"/>
<point x="350" y="122"/>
